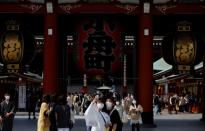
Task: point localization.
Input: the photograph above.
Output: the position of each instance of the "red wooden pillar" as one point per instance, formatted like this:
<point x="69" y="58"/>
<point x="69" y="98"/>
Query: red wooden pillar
<point x="50" y="72"/>
<point x="145" y="81"/>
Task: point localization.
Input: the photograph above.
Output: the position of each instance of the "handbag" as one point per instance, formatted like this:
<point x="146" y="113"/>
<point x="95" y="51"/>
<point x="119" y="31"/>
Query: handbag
<point x="135" y="115"/>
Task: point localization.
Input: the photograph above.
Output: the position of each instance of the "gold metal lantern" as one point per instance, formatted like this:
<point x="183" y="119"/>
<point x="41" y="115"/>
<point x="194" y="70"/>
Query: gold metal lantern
<point x="13" y="47"/>
<point x="183" y="49"/>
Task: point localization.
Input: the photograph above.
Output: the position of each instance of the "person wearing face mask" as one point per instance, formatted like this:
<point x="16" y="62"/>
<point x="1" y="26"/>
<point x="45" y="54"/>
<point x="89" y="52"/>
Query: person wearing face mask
<point x="119" y="108"/>
<point x="135" y="114"/>
<point x="7" y="113"/>
<point x="100" y="119"/>
<point x="114" y="116"/>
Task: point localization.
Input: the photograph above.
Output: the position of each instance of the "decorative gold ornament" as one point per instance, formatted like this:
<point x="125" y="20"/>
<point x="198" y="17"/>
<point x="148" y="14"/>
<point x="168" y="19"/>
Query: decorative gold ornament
<point x="12" y="48"/>
<point x="183" y="48"/>
<point x="185" y="51"/>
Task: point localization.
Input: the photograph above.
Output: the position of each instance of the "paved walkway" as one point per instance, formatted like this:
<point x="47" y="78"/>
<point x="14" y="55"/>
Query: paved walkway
<point x="180" y="116"/>
<point x="164" y="122"/>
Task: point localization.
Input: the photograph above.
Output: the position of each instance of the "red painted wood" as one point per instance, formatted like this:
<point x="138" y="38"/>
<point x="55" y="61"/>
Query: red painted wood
<point x="21" y="8"/>
<point x="145" y="85"/>
<point x="179" y="9"/>
<point x="98" y="8"/>
<point x="103" y="8"/>
<point x="50" y="78"/>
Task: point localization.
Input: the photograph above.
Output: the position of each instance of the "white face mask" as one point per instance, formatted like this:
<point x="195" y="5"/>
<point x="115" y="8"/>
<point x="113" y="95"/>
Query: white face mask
<point x="109" y="105"/>
<point x="97" y="97"/>
<point x="132" y="96"/>
<point x="117" y="103"/>
<point x="100" y="105"/>
<point x="7" y="97"/>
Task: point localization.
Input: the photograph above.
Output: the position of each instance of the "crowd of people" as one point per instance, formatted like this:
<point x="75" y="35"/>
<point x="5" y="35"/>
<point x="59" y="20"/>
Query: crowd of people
<point x="176" y="103"/>
<point x="55" y="114"/>
<point x="107" y="111"/>
<point x="102" y="111"/>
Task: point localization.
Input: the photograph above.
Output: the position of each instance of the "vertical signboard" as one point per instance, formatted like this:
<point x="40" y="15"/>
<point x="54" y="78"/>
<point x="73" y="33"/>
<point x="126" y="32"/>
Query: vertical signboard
<point x="22" y="97"/>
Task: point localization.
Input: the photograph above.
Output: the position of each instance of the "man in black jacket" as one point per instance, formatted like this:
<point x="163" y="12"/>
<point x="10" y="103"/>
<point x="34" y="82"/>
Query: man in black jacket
<point x="7" y="113"/>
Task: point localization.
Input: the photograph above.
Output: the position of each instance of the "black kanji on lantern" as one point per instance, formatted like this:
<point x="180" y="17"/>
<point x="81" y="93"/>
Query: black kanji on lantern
<point x="98" y="48"/>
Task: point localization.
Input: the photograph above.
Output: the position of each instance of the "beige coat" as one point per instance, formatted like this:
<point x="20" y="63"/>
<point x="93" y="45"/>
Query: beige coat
<point x="43" y="121"/>
<point x="135" y="113"/>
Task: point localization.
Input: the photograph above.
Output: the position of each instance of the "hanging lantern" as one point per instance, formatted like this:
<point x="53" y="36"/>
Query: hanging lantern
<point x="183" y="49"/>
<point x="14" y="47"/>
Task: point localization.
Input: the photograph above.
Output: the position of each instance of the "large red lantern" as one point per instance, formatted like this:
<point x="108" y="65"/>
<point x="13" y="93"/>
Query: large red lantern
<point x="183" y="49"/>
<point x="17" y="47"/>
<point x="98" y="47"/>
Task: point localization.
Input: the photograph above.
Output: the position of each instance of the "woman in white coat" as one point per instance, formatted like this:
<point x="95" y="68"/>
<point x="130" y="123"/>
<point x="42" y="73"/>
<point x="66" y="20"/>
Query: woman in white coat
<point x="95" y="117"/>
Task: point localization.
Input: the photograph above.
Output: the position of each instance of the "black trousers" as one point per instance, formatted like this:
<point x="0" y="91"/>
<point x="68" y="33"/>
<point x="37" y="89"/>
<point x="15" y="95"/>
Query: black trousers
<point x="31" y="111"/>
<point x="7" y="124"/>
<point x="137" y="126"/>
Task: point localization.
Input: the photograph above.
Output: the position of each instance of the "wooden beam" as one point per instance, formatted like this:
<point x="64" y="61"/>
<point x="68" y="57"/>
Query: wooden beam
<point x="130" y="9"/>
<point x="179" y="9"/>
<point x="21" y="8"/>
<point x="98" y="8"/>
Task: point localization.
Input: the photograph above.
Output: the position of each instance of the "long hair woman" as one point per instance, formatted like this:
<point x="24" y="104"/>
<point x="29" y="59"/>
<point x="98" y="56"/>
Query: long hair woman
<point x="43" y="120"/>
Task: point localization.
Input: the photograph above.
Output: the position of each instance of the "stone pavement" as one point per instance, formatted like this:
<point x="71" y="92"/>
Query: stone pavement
<point x="164" y="122"/>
